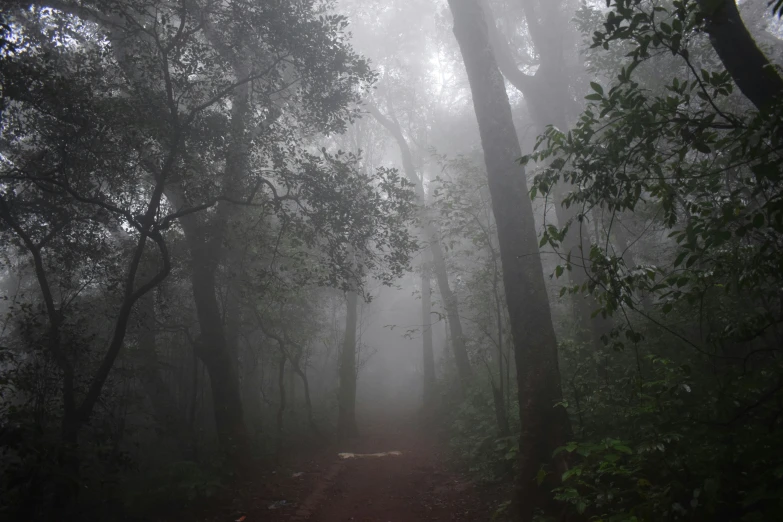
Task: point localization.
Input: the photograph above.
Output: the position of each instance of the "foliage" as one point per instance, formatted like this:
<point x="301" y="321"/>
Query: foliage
<point x="476" y="444"/>
<point x="138" y="137"/>
<point x="460" y="200"/>
<point x="685" y="423"/>
<point x="174" y="487"/>
<point x="672" y="462"/>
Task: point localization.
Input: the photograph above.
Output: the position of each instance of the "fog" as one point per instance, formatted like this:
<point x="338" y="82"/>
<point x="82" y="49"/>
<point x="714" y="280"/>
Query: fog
<point x="394" y="260"/>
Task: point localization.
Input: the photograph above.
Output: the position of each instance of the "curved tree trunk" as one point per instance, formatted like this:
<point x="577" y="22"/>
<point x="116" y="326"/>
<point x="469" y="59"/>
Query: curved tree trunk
<point x="212" y="348"/>
<point x="285" y="351"/>
<point x="547" y="98"/>
<point x="308" y="402"/>
<point x="217" y="348"/>
<point x="749" y="68"/>
<point x="439" y="263"/>
<point x="452" y="309"/>
<point x="544" y="426"/>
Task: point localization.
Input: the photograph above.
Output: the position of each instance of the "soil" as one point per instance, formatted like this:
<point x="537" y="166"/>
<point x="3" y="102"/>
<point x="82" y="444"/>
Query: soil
<point x="414" y="486"/>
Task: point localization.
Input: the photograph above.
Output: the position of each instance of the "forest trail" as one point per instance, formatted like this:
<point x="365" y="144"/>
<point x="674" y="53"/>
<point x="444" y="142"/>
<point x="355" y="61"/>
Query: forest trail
<point x="413" y="486"/>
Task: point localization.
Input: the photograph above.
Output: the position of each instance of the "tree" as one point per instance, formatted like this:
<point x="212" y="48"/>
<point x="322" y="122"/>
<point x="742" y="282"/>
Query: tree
<point x="155" y="122"/>
<point x="68" y="180"/>
<point x="548" y="98"/>
<point x="439" y="264"/>
<point x="669" y="133"/>
<point x="461" y="200"/>
<point x="744" y="61"/>
<point x="544" y="426"/>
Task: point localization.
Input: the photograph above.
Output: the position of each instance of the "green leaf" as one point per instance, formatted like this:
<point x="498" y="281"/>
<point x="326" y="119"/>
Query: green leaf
<point x="680" y="259"/>
<point x="597" y="88"/>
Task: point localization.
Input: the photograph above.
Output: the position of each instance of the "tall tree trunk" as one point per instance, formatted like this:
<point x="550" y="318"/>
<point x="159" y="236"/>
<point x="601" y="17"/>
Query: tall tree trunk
<point x="750" y="69"/>
<point x="251" y="397"/>
<point x="426" y="336"/>
<point x="308" y="402"/>
<point x="67" y="487"/>
<point x="164" y="406"/>
<point x="439" y="262"/>
<point x="544" y="426"/>
<point x="498" y="403"/>
<point x="213" y="351"/>
<point x="292" y="388"/>
<point x="217" y="349"/>
<point x="346" y="420"/>
<point x="452" y="309"/>
<point x="74" y="417"/>
<point x="547" y="98"/>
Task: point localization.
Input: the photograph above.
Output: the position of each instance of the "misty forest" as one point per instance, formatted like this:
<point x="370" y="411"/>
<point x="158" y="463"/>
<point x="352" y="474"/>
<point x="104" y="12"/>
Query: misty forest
<point x="391" y="260"/>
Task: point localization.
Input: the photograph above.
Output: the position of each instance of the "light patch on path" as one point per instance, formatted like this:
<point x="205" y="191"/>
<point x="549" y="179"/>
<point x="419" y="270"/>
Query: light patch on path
<point x="369" y="455"/>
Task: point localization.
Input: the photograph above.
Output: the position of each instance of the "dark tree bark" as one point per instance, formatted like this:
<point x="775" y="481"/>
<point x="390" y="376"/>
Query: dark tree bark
<point x="750" y="69"/>
<point x="76" y="415"/>
<point x="346" y="395"/>
<point x="544" y="426"/>
<point x="298" y="370"/>
<point x="292" y="388"/>
<point x="500" y="410"/>
<point x="252" y="376"/>
<point x="206" y="240"/>
<point x="164" y="406"/>
<point x="286" y="347"/>
<point x="547" y="98"/>
<point x="439" y="263"/>
<point x="213" y="350"/>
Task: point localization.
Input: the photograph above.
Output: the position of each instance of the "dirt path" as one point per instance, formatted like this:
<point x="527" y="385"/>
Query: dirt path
<point x="415" y="486"/>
